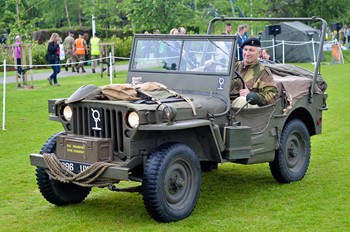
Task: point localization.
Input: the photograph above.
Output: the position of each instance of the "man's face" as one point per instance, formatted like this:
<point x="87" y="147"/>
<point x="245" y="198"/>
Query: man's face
<point x="250" y="54"/>
<point x="229" y="29"/>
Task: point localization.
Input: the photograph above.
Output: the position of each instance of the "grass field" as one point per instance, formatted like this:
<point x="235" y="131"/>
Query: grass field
<point x="233" y="198"/>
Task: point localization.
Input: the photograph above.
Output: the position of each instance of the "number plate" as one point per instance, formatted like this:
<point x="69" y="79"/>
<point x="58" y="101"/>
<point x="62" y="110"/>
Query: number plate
<point x="74" y="167"/>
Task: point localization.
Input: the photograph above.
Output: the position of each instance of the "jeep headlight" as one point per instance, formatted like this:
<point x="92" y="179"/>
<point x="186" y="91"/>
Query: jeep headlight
<point x="67" y="113"/>
<point x="133" y="119"/>
<point x="169" y="112"/>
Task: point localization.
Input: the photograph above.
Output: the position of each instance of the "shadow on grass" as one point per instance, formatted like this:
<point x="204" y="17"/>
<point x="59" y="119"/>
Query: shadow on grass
<point x="231" y="185"/>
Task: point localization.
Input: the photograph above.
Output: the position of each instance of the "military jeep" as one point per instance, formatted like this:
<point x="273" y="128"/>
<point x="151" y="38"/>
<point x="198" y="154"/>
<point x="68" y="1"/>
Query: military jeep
<point x="163" y="138"/>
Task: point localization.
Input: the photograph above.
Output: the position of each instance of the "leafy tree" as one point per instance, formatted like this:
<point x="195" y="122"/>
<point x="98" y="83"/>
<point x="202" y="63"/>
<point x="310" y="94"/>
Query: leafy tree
<point x="106" y="13"/>
<point x="329" y="10"/>
<point x="26" y="16"/>
<point x="159" y="14"/>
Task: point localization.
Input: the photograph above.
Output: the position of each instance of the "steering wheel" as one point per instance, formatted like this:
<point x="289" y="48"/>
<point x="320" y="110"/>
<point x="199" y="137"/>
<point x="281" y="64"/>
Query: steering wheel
<point x="240" y="79"/>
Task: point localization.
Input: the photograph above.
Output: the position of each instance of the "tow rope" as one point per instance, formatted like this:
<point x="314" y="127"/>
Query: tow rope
<point x="90" y="177"/>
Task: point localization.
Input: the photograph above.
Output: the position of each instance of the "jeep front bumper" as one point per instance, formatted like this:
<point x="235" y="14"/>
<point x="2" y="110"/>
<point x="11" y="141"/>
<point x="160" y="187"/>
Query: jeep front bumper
<point x="115" y="173"/>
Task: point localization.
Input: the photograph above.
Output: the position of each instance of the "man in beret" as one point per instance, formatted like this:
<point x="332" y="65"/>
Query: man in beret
<point x="256" y="76"/>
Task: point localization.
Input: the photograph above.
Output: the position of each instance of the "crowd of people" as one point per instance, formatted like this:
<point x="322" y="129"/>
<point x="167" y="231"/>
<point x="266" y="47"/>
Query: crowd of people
<point x="75" y="50"/>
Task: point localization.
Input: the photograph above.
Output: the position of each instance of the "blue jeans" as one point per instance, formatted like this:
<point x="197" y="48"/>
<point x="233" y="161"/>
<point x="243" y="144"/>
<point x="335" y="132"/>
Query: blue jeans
<point x="56" y="70"/>
<point x="19" y="67"/>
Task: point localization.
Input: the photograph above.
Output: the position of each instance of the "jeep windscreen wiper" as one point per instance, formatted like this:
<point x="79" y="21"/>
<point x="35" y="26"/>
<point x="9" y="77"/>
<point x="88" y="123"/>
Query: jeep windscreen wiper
<point x="217" y="47"/>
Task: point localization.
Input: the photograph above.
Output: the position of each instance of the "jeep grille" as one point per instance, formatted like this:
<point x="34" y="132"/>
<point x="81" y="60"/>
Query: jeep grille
<point x="111" y="124"/>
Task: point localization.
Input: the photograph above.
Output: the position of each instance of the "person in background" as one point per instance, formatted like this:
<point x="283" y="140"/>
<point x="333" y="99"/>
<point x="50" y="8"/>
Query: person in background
<point x="240" y="33"/>
<point x="68" y="44"/>
<point x="174" y="31"/>
<point x="96" y="50"/>
<point x="62" y="53"/>
<point x="182" y="30"/>
<point x="79" y="49"/>
<point x="228" y="29"/>
<point x="245" y="35"/>
<point x="264" y="55"/>
<point x="59" y="54"/>
<point x="86" y="37"/>
<point x="53" y="58"/>
<point x="16" y="53"/>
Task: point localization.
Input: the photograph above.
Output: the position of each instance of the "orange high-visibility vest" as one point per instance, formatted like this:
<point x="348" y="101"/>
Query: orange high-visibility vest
<point x="79" y="46"/>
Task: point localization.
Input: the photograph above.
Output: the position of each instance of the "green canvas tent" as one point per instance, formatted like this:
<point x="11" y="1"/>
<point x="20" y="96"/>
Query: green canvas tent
<point x="298" y="45"/>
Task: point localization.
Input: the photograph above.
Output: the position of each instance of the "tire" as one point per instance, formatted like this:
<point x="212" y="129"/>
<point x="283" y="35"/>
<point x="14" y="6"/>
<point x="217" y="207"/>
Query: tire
<point x="56" y="192"/>
<point x="171" y="182"/>
<point x="293" y="157"/>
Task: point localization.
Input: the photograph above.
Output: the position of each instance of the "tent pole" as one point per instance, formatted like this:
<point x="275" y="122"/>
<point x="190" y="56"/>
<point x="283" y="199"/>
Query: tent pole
<point x="313" y="49"/>
<point x="283" y="59"/>
<point x="273" y="48"/>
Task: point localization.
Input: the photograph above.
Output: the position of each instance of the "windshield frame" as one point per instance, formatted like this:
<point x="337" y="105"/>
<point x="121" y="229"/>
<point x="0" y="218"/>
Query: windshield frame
<point x="184" y="40"/>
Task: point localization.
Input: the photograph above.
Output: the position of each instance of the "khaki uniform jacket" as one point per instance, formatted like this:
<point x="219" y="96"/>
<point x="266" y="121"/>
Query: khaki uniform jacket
<point x="257" y="78"/>
<point x="68" y="45"/>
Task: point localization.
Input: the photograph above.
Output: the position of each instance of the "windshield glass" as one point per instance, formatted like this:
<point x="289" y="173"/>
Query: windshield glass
<point x="156" y="54"/>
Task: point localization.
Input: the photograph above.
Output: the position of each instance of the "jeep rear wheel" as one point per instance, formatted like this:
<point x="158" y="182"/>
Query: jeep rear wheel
<point x="56" y="192"/>
<point x="293" y="157"/>
<point x="171" y="182"/>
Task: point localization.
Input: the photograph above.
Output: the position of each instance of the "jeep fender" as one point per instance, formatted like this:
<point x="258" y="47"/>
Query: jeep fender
<point x="199" y="134"/>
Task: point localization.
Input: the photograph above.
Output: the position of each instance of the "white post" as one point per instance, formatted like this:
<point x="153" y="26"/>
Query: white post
<point x="238" y="56"/>
<point x="313" y="49"/>
<point x="93" y="25"/>
<point x="4" y="98"/>
<point x="273" y="49"/>
<point x="283" y="57"/>
<point x="110" y="68"/>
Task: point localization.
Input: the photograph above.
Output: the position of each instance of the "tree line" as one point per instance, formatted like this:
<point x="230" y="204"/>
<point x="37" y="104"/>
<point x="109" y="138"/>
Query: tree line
<point x="27" y="16"/>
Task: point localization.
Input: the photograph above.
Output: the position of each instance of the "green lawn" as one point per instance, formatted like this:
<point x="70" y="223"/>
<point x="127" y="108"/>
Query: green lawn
<point x="233" y="198"/>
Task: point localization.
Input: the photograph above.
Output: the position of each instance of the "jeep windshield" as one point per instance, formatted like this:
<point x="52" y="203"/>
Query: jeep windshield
<point x="188" y="54"/>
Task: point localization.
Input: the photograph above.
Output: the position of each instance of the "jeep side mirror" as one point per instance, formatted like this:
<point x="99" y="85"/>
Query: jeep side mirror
<point x="253" y="98"/>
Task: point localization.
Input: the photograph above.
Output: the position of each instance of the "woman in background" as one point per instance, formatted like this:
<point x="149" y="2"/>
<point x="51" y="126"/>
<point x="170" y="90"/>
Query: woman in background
<point x="53" y="57"/>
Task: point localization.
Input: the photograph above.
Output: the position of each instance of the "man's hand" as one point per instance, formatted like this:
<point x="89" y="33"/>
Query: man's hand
<point x="208" y="63"/>
<point x="244" y="92"/>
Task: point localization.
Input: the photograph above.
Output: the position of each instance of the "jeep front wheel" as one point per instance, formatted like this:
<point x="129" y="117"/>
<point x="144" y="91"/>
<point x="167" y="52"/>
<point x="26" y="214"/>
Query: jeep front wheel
<point x="171" y="182"/>
<point x="54" y="191"/>
<point x="293" y="156"/>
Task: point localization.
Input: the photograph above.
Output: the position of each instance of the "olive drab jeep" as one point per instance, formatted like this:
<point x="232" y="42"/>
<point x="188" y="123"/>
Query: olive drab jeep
<point x="173" y="119"/>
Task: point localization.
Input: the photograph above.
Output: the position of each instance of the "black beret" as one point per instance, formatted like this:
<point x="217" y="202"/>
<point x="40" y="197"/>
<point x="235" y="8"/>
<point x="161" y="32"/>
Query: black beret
<point x="255" y="42"/>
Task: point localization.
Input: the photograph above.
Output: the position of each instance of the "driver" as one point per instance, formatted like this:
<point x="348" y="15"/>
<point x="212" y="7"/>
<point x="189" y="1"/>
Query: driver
<point x="256" y="76"/>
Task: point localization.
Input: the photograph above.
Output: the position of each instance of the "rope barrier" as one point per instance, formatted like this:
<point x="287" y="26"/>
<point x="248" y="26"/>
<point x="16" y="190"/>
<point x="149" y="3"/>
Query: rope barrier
<point x="292" y="42"/>
<point x="64" y="64"/>
<point x="28" y="67"/>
